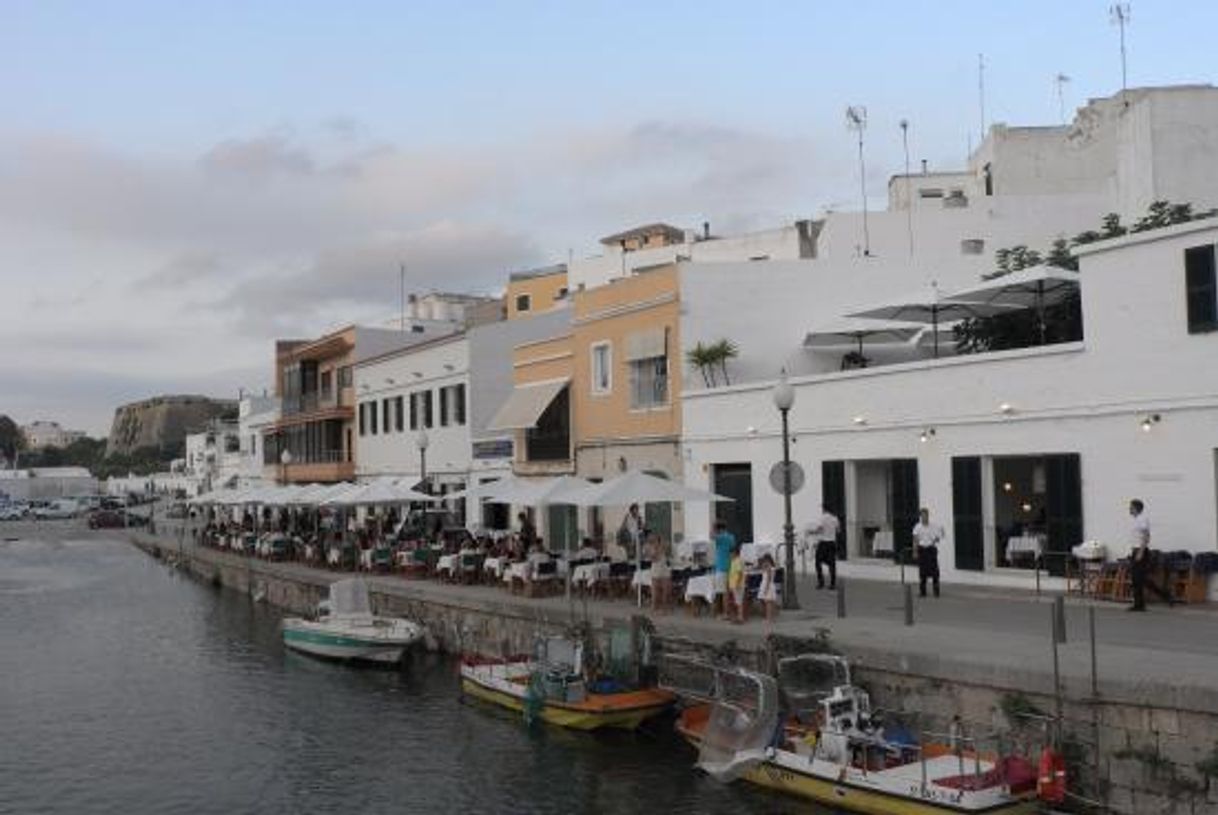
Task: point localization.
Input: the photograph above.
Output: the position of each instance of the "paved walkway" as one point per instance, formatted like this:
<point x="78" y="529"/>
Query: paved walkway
<point x="993" y="636"/>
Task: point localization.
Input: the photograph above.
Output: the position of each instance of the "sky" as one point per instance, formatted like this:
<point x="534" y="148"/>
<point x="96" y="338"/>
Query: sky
<point x="181" y="183"/>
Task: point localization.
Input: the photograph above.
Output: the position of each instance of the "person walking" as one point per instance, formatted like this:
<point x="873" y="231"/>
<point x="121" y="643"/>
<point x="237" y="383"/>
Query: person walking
<point x="927" y="537"/>
<point x="725" y="544"/>
<point x="825" y="530"/>
<point x="1140" y="558"/>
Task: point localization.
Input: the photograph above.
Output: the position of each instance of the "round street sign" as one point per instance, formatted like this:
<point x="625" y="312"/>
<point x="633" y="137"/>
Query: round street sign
<point x="797" y="477"/>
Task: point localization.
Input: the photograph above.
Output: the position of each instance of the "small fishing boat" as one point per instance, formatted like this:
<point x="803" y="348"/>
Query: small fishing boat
<point x="552" y="687"/>
<point x="346" y="628"/>
<point x="831" y="748"/>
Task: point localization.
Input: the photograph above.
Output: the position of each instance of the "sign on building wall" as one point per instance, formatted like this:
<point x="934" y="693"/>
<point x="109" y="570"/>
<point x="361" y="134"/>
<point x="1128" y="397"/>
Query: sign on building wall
<point x="497" y="448"/>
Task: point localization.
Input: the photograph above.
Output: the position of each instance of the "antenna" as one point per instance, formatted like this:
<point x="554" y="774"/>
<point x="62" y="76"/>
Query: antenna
<point x="856" y="120"/>
<point x="402" y="295"/>
<point x="908" y="186"/>
<point x="1118" y="13"/>
<point x="1061" y="81"/>
<point x="981" y="92"/>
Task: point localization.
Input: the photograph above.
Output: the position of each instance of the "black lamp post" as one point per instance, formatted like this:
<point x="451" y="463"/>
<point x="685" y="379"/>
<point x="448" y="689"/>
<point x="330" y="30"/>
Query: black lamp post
<point x="784" y="398"/>
<point x="422" y="441"/>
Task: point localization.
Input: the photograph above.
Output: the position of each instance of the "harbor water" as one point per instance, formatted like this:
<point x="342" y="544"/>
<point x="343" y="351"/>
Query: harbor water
<point x="128" y="687"/>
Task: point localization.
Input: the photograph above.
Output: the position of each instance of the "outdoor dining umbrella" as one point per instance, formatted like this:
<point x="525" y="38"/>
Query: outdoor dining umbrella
<point x="638" y="487"/>
<point x="929" y="307"/>
<point x="1035" y="287"/>
<point x="844" y="333"/>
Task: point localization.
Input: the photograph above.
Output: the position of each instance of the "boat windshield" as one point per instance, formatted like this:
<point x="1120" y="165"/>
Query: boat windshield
<point x="350" y="597"/>
<point x="743" y="722"/>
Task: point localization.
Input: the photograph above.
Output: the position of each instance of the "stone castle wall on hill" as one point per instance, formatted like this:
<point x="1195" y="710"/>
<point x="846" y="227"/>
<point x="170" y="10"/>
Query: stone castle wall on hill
<point x="163" y="422"/>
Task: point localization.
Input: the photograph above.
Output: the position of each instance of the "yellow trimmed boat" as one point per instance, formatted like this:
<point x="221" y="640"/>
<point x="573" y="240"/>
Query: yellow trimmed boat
<point x="838" y="754"/>
<point x="553" y="689"/>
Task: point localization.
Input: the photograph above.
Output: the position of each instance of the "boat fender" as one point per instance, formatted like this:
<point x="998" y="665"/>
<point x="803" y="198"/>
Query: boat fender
<point x="1051" y="778"/>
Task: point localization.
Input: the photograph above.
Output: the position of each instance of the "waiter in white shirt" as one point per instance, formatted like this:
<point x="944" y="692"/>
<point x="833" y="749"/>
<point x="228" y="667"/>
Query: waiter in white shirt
<point x="824" y="532"/>
<point x="1139" y="558"/>
<point x="927" y="537"/>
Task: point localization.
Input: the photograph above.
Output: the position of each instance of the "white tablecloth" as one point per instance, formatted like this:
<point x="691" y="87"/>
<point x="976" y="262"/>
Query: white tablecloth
<point x="494" y="565"/>
<point x="702" y="586"/>
<point x="1025" y="544"/>
<point x="365" y="559"/>
<point x="334" y="555"/>
<point x="448" y="564"/>
<point x="1090" y="550"/>
<point x="590" y="573"/>
<point x="882" y="543"/>
<point x="753" y="552"/>
<point x="641" y="577"/>
<point x="517" y="571"/>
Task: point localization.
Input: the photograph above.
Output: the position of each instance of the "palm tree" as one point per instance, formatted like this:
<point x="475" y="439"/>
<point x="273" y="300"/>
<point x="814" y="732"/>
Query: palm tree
<point x="722" y="351"/>
<point x="702" y="357"/>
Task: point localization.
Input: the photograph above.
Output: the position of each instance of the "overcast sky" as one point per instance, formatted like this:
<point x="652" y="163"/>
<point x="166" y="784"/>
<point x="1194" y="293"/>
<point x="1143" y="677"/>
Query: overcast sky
<point x="180" y="183"/>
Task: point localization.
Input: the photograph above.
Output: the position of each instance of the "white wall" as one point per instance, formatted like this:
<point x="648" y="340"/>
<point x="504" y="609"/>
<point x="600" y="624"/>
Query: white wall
<point x="1090" y="399"/>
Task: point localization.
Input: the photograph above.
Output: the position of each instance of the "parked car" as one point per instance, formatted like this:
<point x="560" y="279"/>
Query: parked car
<point x="14" y="512"/>
<point x="111" y="519"/>
<point x="57" y="510"/>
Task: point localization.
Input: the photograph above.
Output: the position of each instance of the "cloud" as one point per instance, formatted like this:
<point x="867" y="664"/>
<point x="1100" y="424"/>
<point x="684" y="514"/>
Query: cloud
<point x="256" y="160"/>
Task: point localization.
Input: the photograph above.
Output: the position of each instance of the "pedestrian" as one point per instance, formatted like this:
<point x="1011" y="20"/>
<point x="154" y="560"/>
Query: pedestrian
<point x="725" y="544"/>
<point x="661" y="573"/>
<point x="630" y="533"/>
<point x="1140" y="561"/>
<point x="528" y="532"/>
<point x="736" y="584"/>
<point x="927" y="537"/>
<point x="768" y="592"/>
<point x="825" y="529"/>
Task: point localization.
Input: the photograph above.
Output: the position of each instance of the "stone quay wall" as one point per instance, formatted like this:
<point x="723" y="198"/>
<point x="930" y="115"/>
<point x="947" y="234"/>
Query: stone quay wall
<point x="1132" y="753"/>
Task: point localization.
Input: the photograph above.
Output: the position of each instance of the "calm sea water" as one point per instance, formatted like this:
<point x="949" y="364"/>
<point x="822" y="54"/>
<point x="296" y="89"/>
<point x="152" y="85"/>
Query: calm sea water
<point x="127" y="688"/>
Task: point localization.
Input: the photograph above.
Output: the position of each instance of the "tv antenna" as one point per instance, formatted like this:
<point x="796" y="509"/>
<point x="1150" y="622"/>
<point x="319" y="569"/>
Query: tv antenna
<point x="402" y="296"/>
<point x="856" y="120"/>
<point x="1118" y="13"/>
<point x="981" y="93"/>
<point x="1061" y="80"/>
<point x="909" y="199"/>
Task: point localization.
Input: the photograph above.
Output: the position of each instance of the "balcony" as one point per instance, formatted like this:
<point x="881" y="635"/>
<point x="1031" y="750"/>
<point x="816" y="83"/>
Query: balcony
<point x="311" y="471"/>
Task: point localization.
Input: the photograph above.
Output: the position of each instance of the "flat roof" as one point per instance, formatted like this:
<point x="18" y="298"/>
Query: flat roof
<point x="541" y="271"/>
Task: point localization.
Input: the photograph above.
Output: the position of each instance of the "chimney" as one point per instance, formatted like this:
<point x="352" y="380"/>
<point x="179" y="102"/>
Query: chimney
<point x="923" y="166"/>
<point x="706" y="230"/>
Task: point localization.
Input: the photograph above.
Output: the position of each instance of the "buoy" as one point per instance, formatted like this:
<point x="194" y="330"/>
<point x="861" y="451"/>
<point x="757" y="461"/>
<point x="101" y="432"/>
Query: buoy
<point x="1051" y="778"/>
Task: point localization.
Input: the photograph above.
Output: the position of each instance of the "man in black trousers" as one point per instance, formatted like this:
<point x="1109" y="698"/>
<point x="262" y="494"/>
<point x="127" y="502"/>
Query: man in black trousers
<point x="1139" y="558"/>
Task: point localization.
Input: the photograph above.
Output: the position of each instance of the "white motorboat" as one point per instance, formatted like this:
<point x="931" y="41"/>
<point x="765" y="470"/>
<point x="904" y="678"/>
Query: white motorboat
<point x="346" y="628"/>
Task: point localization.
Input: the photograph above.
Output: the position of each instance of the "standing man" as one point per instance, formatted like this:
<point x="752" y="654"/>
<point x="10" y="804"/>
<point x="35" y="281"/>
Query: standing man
<point x="926" y="537"/>
<point x="725" y="544"/>
<point x="631" y="531"/>
<point x="528" y="533"/>
<point x="825" y="530"/>
<point x="1139" y="558"/>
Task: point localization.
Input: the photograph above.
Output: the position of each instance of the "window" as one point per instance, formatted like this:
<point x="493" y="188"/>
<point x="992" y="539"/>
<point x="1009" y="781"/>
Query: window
<point x="523" y="302"/>
<point x="443" y="407"/>
<point x="649" y="382"/>
<point x="930" y="192"/>
<point x="344" y="377"/>
<point x="363" y="418"/>
<point x="372" y="417"/>
<point x="397" y="413"/>
<point x="414" y="411"/>
<point x="602" y="362"/>
<point x="425" y="397"/>
<point x="327" y="384"/>
<point x="385" y="416"/>
<point x="1201" y="289"/>
<point x="459" y="404"/>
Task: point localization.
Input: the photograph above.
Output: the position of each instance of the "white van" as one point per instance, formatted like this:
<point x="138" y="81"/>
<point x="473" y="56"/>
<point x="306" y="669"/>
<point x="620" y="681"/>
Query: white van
<point x="61" y="508"/>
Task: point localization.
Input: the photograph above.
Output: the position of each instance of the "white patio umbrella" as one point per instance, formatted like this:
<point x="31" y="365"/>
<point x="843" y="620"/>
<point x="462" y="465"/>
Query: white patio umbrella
<point x="846" y="333"/>
<point x="637" y="487"/>
<point x="1035" y="287"/>
<point x="929" y="307"/>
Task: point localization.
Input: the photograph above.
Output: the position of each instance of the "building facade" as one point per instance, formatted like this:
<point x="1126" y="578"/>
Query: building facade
<point x="41" y="434"/>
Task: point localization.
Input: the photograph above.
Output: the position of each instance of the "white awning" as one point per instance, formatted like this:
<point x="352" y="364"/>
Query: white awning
<point x="526" y="404"/>
<point x="646" y="344"/>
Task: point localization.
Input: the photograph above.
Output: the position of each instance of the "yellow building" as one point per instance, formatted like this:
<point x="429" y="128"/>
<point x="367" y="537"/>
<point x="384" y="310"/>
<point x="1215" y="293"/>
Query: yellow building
<point x="535" y="291"/>
<point x="603" y="398"/>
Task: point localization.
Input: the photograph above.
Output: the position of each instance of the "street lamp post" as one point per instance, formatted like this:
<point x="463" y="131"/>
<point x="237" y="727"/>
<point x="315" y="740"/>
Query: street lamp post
<point x="421" y="441"/>
<point x="784" y="398"/>
<point x="285" y="458"/>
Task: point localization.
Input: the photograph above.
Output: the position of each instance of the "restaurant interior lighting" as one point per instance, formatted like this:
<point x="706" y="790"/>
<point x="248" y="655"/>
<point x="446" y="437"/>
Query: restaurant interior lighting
<point x="1007" y="486"/>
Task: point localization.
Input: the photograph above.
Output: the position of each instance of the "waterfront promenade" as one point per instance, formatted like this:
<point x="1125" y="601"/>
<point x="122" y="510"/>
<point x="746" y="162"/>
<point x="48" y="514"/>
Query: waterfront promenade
<point x="998" y="637"/>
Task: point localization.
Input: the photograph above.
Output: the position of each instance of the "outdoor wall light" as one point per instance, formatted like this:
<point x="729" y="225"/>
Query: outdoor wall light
<point x="752" y="431"/>
<point x="448" y="367"/>
<point x="927" y="435"/>
<point x="389" y="380"/>
<point x="1006" y="408"/>
<point x="417" y="374"/>
<point x="1149" y="421"/>
<point x="364" y="386"/>
<point x="860" y="420"/>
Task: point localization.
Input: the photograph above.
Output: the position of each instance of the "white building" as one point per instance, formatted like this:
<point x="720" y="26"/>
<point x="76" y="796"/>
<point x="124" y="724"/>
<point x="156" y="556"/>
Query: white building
<point x="244" y="467"/>
<point x="213" y="455"/>
<point x="46" y="483"/>
<point x="445" y="391"/>
<point x="40" y="434"/>
<point x="1056" y="438"/>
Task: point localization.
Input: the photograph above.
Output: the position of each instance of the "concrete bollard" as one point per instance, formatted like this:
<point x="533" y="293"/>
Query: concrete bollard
<point x="909" y="617"/>
<point x="841" y="598"/>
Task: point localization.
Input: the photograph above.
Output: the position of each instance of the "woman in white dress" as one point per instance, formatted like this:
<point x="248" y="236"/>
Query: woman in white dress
<point x="767" y="593"/>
